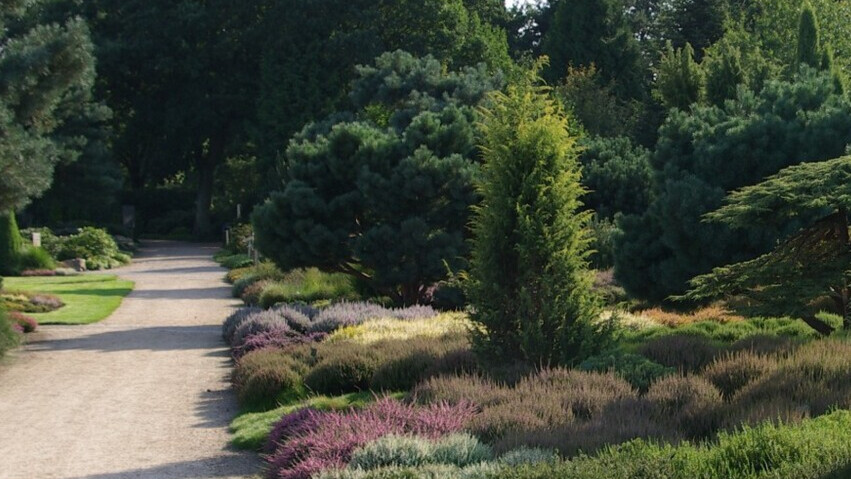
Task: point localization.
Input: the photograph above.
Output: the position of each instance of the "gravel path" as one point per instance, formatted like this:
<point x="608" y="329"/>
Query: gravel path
<point x="143" y="394"/>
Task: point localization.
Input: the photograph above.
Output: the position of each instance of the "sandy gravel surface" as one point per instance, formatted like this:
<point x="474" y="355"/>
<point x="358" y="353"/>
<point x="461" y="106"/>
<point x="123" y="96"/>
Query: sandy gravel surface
<point x="143" y="394"/>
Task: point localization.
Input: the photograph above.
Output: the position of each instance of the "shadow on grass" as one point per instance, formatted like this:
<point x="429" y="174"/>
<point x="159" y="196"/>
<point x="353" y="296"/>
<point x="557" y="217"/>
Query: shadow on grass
<point x="103" y="292"/>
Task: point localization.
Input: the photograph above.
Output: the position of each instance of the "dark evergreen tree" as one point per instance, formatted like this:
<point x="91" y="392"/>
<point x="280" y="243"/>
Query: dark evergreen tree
<point x="617" y="175"/>
<point x="529" y="283"/>
<point x="585" y="32"/>
<point x="711" y="150"/>
<point x="382" y="192"/>
<point x="809" y="50"/>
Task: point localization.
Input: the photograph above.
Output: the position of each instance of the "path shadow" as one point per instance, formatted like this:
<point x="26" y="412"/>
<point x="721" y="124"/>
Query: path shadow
<point x="216" y="408"/>
<point x="217" y="292"/>
<point x="192" y="270"/>
<point x="226" y="465"/>
<point x="157" y="338"/>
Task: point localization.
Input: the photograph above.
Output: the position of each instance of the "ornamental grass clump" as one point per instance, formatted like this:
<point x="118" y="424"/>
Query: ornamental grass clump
<point x="334" y="436"/>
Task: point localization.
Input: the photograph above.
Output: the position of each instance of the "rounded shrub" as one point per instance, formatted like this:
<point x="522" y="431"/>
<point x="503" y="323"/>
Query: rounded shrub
<point x="692" y="403"/>
<point x="460" y="450"/>
<point x="276" y="322"/>
<point x="343" y="370"/>
<point x="252" y="293"/>
<point x="28" y="324"/>
<point x="736" y="370"/>
<point x="393" y="450"/>
<point x="241" y="284"/>
<point x="235" y="320"/>
<point x="262" y="375"/>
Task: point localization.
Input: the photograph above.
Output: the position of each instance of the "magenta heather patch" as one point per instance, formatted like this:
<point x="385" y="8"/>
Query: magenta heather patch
<point x="331" y="437"/>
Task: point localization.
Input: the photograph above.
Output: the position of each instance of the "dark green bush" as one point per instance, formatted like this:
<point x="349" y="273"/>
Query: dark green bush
<point x="637" y="370"/>
<point x="240" y="235"/>
<point x="346" y="368"/>
<point x="235" y="261"/>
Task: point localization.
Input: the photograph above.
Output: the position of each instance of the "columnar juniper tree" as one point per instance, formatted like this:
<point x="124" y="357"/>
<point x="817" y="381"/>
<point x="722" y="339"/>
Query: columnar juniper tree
<point x="812" y="264"/>
<point x="529" y="282"/>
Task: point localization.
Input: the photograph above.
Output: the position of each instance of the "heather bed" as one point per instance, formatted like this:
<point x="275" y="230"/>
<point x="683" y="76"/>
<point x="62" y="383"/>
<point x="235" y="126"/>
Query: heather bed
<point x="697" y="383"/>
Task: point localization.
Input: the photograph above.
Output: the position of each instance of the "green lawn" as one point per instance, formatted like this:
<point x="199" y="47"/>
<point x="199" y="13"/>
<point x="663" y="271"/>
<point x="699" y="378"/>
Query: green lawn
<point x="87" y="298"/>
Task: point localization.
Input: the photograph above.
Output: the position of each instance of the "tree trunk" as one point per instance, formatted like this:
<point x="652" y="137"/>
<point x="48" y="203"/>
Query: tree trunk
<point x="206" y="167"/>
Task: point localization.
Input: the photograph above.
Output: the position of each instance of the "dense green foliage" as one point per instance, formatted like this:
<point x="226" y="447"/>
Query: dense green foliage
<point x="382" y="193"/>
<point x="585" y="32"/>
<point x="529" y="281"/>
<point x="669" y="244"/>
<point x="46" y="76"/>
<point x="812" y="264"/>
<point x="617" y="175"/>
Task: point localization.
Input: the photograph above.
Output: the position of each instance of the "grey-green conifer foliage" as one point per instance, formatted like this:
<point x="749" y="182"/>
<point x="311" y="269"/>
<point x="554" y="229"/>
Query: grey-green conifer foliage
<point x="383" y="192"/>
<point x="40" y="71"/>
<point x="529" y="283"/>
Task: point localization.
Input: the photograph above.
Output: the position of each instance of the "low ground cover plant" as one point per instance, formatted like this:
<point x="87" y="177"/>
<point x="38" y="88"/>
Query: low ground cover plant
<point x="314" y="441"/>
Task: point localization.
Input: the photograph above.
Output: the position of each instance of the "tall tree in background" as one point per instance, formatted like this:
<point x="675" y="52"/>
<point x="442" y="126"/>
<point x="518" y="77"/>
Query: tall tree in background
<point x="595" y="31"/>
<point x="529" y="282"/>
<point x="809" y="50"/>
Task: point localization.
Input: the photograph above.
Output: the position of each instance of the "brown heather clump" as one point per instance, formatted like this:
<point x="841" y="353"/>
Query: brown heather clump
<point x="584" y="393"/>
<point x="733" y="371"/>
<point x="550" y="398"/>
<point x="691" y="404"/>
<point x="810" y="381"/>
<point x="621" y="421"/>
<point x="714" y="313"/>
<point x="766" y="344"/>
<point x="686" y="352"/>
